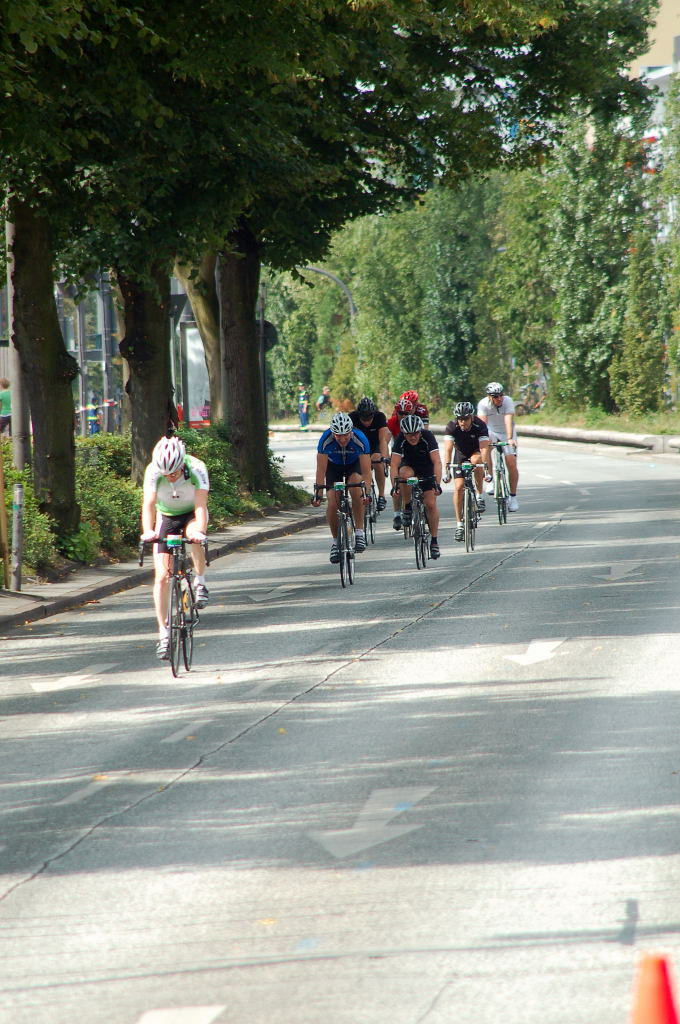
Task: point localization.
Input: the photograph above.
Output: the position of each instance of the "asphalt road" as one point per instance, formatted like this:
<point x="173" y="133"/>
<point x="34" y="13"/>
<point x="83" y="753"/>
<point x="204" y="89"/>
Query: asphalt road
<point x="447" y="795"/>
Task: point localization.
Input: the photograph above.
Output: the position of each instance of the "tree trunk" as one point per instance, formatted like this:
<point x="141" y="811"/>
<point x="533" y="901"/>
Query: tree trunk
<point x="238" y="277"/>
<point x="201" y="288"/>
<point x="47" y="368"/>
<point x="146" y="347"/>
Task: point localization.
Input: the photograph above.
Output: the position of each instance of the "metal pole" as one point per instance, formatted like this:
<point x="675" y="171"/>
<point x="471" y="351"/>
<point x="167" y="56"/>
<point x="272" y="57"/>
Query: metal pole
<point x="21" y="434"/>
<point x="17" y="535"/>
<point x="82" y="356"/>
<point x="341" y="283"/>
<point x="4" y="548"/>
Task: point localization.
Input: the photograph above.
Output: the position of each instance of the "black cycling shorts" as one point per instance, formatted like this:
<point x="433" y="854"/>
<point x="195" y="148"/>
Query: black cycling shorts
<point x="336" y="473"/>
<point x="170" y="525"/>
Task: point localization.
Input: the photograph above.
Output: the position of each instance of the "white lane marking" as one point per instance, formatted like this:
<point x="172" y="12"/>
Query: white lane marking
<point x="187" y="731"/>
<point x="182" y="1015"/>
<point x="538" y="650"/>
<point x="583" y="490"/>
<point x="82" y="794"/>
<point x="371" y="825"/>
<point x="569" y="483"/>
<point x="539" y="526"/>
<point x="619" y="571"/>
<point x="78" y="679"/>
<point x="107" y="778"/>
<point x="543" y="476"/>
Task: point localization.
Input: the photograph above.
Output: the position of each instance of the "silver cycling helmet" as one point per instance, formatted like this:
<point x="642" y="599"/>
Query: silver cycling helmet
<point x="411" y="425"/>
<point x="168" y="455"/>
<point x="463" y="409"/>
<point x="341" y="424"/>
<point x="494" y="388"/>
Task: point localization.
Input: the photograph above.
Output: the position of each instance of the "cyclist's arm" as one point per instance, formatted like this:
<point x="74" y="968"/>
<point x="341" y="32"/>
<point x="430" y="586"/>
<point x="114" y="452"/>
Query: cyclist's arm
<point x="395" y="463"/>
<point x="321" y="467"/>
<point x="510" y="427"/>
<point x="365" y="467"/>
<point x="437" y="466"/>
<point x="448" y="450"/>
<point x="383" y="441"/>
<point x="148" y="511"/>
<point x="201" y="510"/>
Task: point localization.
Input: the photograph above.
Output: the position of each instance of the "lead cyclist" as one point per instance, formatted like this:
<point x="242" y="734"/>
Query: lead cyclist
<point x="176" y="487"/>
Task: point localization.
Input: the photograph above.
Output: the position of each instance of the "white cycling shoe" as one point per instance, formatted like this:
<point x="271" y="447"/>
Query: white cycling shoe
<point x="513" y="504"/>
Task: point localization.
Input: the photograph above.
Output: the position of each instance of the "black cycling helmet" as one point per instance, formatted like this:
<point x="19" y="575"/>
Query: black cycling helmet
<point x="463" y="409"/>
<point x="366" y="408"/>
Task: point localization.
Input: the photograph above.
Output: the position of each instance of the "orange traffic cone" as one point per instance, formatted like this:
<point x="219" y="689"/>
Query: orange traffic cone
<point x="653" y="1000"/>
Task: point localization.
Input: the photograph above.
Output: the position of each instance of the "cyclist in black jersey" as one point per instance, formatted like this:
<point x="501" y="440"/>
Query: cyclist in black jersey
<point x="466" y="438"/>
<point x="373" y="423"/>
<point x="416" y="453"/>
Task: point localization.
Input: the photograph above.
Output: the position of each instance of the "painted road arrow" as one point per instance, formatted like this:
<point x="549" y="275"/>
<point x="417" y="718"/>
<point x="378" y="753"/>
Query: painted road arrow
<point x="620" y="571"/>
<point x="371" y="826"/>
<point x="538" y="650"/>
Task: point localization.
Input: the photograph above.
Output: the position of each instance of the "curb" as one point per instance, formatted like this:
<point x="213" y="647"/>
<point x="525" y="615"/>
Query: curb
<point x="127" y="580"/>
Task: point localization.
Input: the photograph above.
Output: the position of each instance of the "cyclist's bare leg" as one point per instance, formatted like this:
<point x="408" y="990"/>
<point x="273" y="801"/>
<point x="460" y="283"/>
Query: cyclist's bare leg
<point x="431" y="511"/>
<point x="379" y="474"/>
<point x="162" y="563"/>
<point x="404" y="473"/>
<point x="458" y="488"/>
<point x="477" y="461"/>
<point x="197" y="550"/>
<point x="513" y="472"/>
<point x="332" y="513"/>
<point x="357" y="500"/>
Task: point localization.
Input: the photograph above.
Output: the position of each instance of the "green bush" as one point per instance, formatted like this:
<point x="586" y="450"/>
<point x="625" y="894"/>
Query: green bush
<point x="112" y="506"/>
<point x="110" y="453"/>
<point x="84" y="545"/>
<point x="38" y="538"/>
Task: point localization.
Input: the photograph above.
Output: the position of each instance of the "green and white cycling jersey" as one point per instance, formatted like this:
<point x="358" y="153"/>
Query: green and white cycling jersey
<point x="174" y="499"/>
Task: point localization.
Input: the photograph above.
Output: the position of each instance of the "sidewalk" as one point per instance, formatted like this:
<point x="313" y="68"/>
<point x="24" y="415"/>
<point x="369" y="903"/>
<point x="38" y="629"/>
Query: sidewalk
<point x="39" y="600"/>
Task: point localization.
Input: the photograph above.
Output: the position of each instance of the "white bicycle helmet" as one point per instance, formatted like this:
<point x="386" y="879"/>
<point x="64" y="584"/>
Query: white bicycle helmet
<point x="494" y="388"/>
<point x="168" y="455"/>
<point x="411" y="425"/>
<point x="341" y="424"/>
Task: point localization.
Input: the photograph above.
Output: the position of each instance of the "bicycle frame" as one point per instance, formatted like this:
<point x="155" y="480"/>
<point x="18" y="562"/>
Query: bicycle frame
<point x="470" y="509"/>
<point x="500" y="480"/>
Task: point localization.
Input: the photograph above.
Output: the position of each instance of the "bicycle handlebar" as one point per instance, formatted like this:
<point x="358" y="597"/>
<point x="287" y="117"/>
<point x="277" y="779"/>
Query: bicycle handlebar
<point x="185" y="540"/>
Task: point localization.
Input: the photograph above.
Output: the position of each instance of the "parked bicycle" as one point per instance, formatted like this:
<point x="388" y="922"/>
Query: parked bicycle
<point x="501" y="486"/>
<point x="183" y="614"/>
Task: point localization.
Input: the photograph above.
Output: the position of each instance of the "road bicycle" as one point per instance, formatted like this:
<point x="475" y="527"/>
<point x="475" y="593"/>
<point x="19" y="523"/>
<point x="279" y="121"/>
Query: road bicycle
<point x="183" y="614"/>
<point x="419" y="528"/>
<point x="372" y="510"/>
<point x="346" y="535"/>
<point x="471" y="515"/>
<point x="501" y="487"/>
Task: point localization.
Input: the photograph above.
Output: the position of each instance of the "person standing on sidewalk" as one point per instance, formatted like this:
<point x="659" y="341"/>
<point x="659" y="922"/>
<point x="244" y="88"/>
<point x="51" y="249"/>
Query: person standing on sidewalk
<point x="303" y="406"/>
<point x="175" y="501"/>
<point x="5" y="408"/>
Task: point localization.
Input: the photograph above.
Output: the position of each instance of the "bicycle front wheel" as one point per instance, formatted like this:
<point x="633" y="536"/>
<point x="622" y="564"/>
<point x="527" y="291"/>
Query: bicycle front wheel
<point x="351" y="551"/>
<point x="175" y="622"/>
<point x="343" y="545"/>
<point x="501" y="490"/>
<point x="190" y="617"/>
<point x="371" y="516"/>
<point x="469" y="520"/>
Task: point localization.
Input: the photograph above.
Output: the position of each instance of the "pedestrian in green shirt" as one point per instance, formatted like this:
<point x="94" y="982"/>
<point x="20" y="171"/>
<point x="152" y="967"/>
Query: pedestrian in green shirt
<point x="5" y="408"/>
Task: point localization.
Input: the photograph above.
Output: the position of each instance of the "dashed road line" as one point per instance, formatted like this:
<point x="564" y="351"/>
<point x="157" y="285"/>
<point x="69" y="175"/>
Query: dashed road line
<point x="181" y="734"/>
<point x="69" y="682"/>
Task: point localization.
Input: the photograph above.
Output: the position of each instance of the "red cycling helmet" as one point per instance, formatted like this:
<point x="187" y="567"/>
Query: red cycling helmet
<point x="411" y="396"/>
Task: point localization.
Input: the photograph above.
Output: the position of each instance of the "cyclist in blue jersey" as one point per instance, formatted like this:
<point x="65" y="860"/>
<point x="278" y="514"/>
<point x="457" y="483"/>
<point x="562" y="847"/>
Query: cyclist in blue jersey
<point x="343" y="453"/>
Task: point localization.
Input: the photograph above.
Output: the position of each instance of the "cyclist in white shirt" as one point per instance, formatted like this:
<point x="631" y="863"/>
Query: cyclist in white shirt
<point x="175" y="500"/>
<point x="498" y="412"/>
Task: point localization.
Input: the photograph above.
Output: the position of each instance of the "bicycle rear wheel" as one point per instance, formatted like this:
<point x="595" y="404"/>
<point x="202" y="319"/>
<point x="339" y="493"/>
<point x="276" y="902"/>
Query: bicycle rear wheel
<point x="175" y="622"/>
<point x="469" y="520"/>
<point x="501" y="490"/>
<point x="190" y="618"/>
